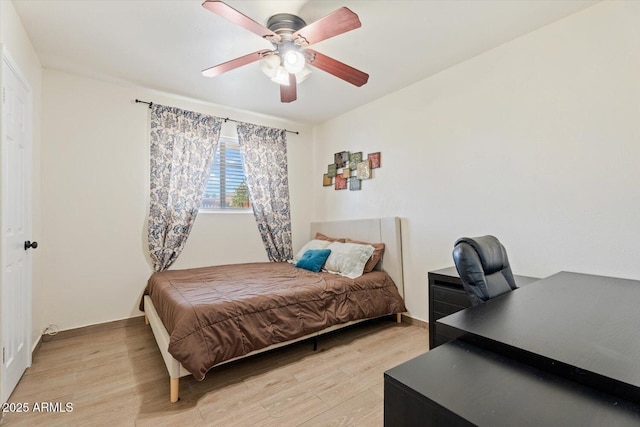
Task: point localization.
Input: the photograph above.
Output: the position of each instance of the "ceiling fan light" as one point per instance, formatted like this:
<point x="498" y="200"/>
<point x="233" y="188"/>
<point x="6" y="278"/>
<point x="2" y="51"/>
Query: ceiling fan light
<point x="270" y="64"/>
<point x="281" y="77"/>
<point x="302" y="75"/>
<point x="293" y="61"/>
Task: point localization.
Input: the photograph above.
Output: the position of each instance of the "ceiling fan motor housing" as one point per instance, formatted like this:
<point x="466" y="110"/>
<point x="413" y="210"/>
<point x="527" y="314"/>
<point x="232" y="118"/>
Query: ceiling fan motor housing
<point x="285" y="24"/>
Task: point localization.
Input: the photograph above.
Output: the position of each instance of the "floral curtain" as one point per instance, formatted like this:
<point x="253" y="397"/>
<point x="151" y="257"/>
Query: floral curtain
<point x="265" y="161"/>
<point x="182" y="147"/>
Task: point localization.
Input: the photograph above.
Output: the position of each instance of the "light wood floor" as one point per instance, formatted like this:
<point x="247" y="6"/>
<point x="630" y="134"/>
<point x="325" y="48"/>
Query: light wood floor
<point x="118" y="378"/>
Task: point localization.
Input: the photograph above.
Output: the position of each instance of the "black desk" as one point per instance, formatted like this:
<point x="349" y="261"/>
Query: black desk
<point x="570" y="337"/>
<point x="581" y="326"/>
<point x="446" y="296"/>
<point x="494" y="391"/>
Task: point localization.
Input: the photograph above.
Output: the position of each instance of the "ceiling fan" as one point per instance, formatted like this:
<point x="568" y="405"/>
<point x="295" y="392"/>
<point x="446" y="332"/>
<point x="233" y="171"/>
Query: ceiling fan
<point x="290" y="36"/>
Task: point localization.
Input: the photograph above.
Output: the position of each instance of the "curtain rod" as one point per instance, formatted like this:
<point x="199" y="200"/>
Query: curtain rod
<point x="226" y="119"/>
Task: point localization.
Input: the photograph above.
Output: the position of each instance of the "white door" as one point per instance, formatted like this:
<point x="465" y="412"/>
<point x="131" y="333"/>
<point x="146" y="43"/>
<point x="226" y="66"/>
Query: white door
<point x="15" y="226"/>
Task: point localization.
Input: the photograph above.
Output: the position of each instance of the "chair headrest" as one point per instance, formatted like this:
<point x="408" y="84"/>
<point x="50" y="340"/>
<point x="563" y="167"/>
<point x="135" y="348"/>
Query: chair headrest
<point x="492" y="254"/>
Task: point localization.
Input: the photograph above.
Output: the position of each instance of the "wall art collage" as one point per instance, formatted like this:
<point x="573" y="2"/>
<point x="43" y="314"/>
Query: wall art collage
<point x="348" y="170"/>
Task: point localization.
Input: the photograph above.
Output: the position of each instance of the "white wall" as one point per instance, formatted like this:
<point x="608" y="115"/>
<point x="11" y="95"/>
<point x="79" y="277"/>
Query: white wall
<point x="95" y="199"/>
<point x="536" y="142"/>
<point x="16" y="40"/>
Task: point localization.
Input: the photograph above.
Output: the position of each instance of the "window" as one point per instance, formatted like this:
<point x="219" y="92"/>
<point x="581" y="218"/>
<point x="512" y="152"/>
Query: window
<point x="226" y="187"/>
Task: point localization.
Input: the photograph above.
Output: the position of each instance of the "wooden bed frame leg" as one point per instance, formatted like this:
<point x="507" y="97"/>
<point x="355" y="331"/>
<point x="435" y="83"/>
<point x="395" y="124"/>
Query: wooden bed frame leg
<point x="399" y="317"/>
<point x="175" y="386"/>
<point x="146" y="319"/>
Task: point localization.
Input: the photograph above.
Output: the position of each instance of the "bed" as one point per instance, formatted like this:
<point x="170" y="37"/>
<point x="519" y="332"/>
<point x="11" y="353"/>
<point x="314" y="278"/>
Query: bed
<point x="262" y="306"/>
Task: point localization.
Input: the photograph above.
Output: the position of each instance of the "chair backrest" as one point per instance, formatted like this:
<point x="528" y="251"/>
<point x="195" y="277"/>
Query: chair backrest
<point x="483" y="267"/>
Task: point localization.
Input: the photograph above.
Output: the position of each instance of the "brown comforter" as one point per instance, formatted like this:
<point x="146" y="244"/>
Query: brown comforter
<point x="214" y="314"/>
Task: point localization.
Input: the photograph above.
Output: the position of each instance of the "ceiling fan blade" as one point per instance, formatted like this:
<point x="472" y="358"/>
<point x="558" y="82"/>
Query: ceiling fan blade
<point x="234" y="63"/>
<point x="337" y="68"/>
<point x="289" y="93"/>
<point x="337" y="22"/>
<point x="239" y="18"/>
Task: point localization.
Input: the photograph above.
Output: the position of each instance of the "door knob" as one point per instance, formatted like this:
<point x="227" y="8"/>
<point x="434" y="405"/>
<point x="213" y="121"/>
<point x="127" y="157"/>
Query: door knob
<point x="29" y="244"/>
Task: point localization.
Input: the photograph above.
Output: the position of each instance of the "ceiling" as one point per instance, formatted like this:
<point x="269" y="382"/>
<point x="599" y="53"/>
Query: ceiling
<point x="165" y="44"/>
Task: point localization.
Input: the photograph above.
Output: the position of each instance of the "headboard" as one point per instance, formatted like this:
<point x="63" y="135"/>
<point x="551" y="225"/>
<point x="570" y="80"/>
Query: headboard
<point x="374" y="230"/>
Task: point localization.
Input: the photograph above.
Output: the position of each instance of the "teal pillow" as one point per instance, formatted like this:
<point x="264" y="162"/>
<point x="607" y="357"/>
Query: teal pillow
<point x="313" y="259"/>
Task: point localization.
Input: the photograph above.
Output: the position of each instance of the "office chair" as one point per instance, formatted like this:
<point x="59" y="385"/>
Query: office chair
<point x="483" y="267"/>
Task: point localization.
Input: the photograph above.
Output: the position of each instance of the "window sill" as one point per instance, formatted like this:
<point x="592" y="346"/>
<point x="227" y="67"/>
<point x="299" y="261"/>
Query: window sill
<point x="225" y="211"/>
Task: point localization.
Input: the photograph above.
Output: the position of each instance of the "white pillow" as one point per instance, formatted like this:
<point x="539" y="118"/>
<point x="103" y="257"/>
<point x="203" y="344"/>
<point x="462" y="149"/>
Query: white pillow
<point x="312" y="244"/>
<point x="348" y="259"/>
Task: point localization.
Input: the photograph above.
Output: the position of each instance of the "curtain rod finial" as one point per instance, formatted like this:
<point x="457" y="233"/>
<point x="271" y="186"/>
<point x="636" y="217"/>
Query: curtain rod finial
<point x="138" y="101"/>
